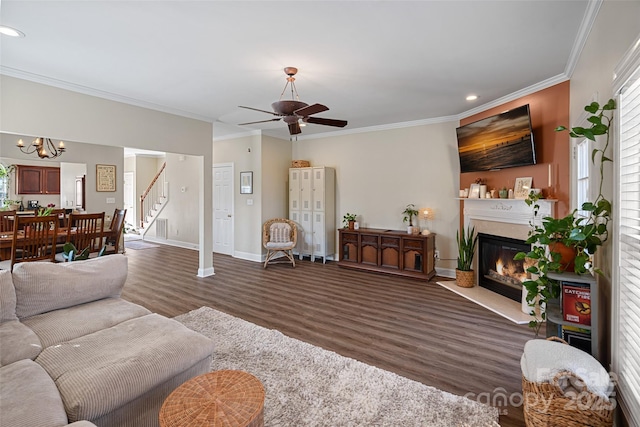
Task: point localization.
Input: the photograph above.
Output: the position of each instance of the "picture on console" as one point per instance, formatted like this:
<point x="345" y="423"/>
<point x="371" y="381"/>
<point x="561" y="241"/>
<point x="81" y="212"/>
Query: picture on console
<point x="497" y="142"/>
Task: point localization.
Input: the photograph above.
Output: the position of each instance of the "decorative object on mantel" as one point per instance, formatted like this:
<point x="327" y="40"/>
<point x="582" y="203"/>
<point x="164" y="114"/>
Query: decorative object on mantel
<point x="465" y="276"/>
<point x="474" y="191"/>
<point x="349" y="221"/>
<point x="43" y="147"/>
<point x="503" y="193"/>
<point x="522" y="187"/>
<point x="582" y="235"/>
<point x="409" y="212"/>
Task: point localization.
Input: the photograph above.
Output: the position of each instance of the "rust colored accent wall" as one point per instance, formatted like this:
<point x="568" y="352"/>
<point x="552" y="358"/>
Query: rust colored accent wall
<point x="549" y="108"/>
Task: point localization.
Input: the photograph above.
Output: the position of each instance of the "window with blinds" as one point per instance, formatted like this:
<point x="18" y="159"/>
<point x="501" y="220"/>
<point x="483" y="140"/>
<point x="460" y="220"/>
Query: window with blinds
<point x="626" y="356"/>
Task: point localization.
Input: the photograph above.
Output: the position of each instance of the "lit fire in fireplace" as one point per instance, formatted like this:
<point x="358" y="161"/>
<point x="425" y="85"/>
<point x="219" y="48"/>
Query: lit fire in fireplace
<point x="510" y="272"/>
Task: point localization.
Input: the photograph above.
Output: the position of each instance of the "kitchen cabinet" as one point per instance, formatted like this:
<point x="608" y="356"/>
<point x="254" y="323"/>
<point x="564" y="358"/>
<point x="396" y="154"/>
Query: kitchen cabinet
<point x="38" y="180"/>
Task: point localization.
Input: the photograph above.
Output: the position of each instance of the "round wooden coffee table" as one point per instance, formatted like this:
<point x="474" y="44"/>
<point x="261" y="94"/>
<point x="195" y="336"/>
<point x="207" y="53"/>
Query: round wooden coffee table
<point x="220" y="398"/>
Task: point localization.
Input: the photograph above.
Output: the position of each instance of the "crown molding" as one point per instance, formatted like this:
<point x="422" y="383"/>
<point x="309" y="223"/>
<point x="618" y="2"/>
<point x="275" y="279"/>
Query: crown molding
<point x="61" y="84"/>
<point x="235" y="135"/>
<point x="378" y="128"/>
<point x="552" y="81"/>
<point x="590" y="15"/>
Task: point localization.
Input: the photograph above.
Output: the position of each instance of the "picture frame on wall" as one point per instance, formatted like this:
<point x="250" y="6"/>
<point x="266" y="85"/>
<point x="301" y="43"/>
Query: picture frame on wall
<point x="522" y="187"/>
<point x="105" y="177"/>
<point x="246" y="182"/>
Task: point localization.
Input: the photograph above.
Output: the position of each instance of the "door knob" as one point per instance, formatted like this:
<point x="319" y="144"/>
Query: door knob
<point x="229" y="215"/>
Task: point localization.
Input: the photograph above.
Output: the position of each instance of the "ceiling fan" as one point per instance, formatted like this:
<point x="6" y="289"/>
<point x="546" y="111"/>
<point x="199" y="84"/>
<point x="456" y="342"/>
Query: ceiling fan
<point x="293" y="111"/>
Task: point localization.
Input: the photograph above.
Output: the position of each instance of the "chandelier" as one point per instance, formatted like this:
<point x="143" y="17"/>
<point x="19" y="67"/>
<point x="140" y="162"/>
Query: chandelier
<point x="43" y="147"/>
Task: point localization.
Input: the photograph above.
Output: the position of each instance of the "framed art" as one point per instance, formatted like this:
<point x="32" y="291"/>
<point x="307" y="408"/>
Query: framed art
<point x="105" y="177"/>
<point x="474" y="192"/>
<point x="246" y="182"/>
<point x="522" y="187"/>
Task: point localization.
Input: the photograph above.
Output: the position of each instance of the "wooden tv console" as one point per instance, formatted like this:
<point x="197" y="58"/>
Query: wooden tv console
<point x="388" y="251"/>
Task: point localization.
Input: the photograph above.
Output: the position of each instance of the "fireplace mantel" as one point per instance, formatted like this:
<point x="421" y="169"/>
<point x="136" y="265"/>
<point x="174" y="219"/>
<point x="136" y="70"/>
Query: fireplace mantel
<point x="512" y="211"/>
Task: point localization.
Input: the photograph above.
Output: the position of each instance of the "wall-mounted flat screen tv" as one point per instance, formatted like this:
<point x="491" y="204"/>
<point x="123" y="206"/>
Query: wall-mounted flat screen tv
<point x="497" y="142"/>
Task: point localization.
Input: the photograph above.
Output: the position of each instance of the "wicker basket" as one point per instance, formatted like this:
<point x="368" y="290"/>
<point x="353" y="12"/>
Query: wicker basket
<point x="545" y="404"/>
<point x="300" y="164"/>
<point x="465" y="279"/>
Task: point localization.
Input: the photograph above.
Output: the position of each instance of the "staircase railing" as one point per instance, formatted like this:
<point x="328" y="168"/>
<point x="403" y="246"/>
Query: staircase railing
<point x="154" y="193"/>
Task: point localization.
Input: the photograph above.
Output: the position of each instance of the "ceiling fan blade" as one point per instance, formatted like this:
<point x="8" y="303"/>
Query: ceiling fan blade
<point x="257" y="109"/>
<point x="261" y="121"/>
<point x="311" y="109"/>
<point x="326" y="122"/>
<point x="294" y="128"/>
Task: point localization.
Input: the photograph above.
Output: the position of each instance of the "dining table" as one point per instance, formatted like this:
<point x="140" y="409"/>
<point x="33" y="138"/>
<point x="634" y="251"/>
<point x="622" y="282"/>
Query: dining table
<point x="6" y="241"/>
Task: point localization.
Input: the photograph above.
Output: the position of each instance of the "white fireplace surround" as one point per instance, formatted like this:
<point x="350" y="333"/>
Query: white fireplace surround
<point x="504" y="217"/>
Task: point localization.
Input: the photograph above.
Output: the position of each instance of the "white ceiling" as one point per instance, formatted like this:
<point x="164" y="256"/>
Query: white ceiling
<point x="373" y="63"/>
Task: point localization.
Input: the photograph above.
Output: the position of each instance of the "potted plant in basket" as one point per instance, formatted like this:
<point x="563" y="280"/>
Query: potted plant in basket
<point x="409" y="212"/>
<point x="569" y="243"/>
<point x="465" y="276"/>
<point x="348" y="220"/>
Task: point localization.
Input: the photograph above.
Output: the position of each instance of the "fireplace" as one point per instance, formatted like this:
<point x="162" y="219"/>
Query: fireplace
<point x="497" y="270"/>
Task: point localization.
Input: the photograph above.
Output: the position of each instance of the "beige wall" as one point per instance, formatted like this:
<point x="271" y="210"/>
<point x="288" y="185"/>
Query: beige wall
<point x="614" y="31"/>
<point x="379" y="173"/>
<point x="35" y="109"/>
<point x="76" y="152"/>
<point x="246" y="155"/>
<point x="276" y="161"/>
<point x="182" y="173"/>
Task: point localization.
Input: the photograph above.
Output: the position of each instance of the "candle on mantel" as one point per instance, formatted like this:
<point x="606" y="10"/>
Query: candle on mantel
<point x="549" y="175"/>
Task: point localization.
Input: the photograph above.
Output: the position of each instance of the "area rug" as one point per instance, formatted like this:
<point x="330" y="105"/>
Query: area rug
<point x="139" y="244"/>
<point x="308" y="386"/>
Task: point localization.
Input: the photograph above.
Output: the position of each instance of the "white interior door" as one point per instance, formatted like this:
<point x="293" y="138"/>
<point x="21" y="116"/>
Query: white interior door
<point x="223" y="209"/>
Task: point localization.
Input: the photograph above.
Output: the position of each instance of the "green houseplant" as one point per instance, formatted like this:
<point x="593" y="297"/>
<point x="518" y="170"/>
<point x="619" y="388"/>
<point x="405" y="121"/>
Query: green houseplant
<point x="581" y="235"/>
<point x="71" y="253"/>
<point x="467" y="240"/>
<point x="409" y="212"/>
<point x="348" y="220"/>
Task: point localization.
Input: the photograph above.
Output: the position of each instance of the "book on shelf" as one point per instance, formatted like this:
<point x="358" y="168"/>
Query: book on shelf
<point x="576" y="303"/>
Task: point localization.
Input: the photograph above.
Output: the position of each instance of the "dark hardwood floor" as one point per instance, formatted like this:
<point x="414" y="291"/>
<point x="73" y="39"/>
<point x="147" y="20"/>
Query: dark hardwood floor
<point x="416" y="329"/>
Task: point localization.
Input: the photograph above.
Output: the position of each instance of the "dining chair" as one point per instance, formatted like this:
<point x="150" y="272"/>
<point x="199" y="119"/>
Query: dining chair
<point x="84" y="231"/>
<point x="114" y="234"/>
<point x="62" y="217"/>
<point x="34" y="239"/>
<point x="6" y="220"/>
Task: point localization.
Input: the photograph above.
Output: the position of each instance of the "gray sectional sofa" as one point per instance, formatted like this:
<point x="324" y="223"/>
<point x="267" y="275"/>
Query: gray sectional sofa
<point x="72" y="352"/>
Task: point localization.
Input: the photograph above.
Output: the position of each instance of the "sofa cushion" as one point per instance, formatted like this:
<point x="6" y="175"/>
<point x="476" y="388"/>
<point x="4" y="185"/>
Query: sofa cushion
<point x="120" y="363"/>
<point x="17" y="342"/>
<point x="66" y="324"/>
<point x="42" y="287"/>
<point x="7" y="297"/>
<point x="28" y="397"/>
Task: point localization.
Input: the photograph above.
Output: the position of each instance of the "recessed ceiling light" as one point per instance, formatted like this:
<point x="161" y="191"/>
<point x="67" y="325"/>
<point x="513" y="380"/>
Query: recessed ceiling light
<point x="472" y="97"/>
<point x="11" y="32"/>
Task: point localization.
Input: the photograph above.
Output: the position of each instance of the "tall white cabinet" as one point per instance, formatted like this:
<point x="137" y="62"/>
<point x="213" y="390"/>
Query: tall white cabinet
<point x="312" y="207"/>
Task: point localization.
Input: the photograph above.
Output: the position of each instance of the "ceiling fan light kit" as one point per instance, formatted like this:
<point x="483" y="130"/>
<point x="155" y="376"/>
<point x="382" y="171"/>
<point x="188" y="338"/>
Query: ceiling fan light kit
<point x="294" y="112"/>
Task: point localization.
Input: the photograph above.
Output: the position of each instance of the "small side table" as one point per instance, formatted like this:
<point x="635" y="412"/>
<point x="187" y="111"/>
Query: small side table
<point x="220" y="398"/>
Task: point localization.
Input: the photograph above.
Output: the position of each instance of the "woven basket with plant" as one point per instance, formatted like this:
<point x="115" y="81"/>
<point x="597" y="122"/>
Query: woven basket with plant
<point x="467" y="241"/>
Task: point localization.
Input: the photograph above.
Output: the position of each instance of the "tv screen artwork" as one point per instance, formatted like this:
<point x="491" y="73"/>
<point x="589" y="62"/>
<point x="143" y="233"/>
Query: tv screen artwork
<point x="501" y="141"/>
